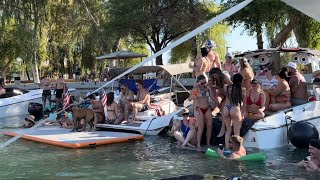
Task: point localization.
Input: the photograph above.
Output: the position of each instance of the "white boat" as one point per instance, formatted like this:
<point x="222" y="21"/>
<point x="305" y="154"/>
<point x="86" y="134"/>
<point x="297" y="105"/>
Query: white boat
<point x="151" y="122"/>
<point x="272" y="131"/>
<point x="15" y="102"/>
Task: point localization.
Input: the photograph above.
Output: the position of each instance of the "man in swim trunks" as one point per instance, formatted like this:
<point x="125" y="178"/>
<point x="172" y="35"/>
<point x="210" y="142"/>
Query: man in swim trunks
<point x="236" y="145"/>
<point x="46" y="93"/>
<point x="142" y="103"/>
<point x="60" y="88"/>
<point x="312" y="162"/>
<point x="298" y="85"/>
<point x="212" y="56"/>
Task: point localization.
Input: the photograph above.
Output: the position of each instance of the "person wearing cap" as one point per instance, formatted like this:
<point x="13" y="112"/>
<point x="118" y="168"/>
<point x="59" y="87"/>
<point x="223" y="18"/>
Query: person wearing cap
<point x="298" y="85"/>
<point x="29" y="122"/>
<point x="279" y="97"/>
<point x="185" y="131"/>
<point x="246" y="72"/>
<point x="228" y="66"/>
<point x="256" y="100"/>
<point x="312" y="162"/>
<point x="46" y="93"/>
<point x="212" y="56"/>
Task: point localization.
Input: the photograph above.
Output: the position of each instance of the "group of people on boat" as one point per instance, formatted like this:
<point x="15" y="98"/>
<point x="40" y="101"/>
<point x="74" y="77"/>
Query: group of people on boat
<point x="237" y="94"/>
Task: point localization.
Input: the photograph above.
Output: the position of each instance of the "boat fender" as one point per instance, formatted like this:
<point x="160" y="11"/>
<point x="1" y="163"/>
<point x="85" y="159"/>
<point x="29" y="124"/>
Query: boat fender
<point x="301" y="133"/>
<point x="260" y="156"/>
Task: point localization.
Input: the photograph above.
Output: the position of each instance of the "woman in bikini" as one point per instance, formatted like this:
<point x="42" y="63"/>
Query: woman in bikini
<point x="112" y="109"/>
<point x="201" y="65"/>
<point x="256" y="100"/>
<point x="202" y="112"/>
<point x="233" y="107"/>
<point x="127" y="97"/>
<point x="246" y="72"/>
<point x="98" y="108"/>
<point x="279" y="97"/>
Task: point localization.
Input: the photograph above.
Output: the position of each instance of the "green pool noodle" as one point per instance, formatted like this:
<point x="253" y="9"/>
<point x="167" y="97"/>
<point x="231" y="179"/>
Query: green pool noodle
<point x="260" y="156"/>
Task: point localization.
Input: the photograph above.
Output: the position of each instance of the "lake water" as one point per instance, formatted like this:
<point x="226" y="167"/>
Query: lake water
<point x="154" y="158"/>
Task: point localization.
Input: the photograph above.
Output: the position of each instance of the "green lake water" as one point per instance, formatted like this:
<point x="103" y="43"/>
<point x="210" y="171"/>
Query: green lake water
<point x="154" y="158"/>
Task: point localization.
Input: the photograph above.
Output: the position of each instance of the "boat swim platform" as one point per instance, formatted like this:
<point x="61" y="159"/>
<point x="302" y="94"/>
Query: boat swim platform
<point x="57" y="136"/>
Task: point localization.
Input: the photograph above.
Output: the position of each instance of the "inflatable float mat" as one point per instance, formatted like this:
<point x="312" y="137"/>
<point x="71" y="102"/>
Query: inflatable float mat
<point x="260" y="156"/>
<point x="63" y="137"/>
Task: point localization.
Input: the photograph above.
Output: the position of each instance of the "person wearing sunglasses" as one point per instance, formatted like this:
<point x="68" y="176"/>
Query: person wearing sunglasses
<point x="126" y="97"/>
<point x="236" y="146"/>
<point x="185" y="131"/>
<point x="246" y="72"/>
<point x="142" y="103"/>
<point x="202" y="111"/>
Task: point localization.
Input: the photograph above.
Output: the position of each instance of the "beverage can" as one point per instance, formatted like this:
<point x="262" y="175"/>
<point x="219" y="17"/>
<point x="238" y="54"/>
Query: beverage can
<point x="194" y="92"/>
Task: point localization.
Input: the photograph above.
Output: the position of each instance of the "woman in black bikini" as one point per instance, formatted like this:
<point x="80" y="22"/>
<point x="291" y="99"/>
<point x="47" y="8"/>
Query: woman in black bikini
<point x="202" y="111"/>
<point x="233" y="107"/>
<point x="112" y="109"/>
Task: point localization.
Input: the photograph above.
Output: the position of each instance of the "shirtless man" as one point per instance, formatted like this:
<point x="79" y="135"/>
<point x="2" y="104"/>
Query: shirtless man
<point x="212" y="56"/>
<point x="298" y="86"/>
<point x="46" y="93"/>
<point x="2" y="89"/>
<point x="60" y="88"/>
<point x="141" y="105"/>
<point x="236" y="146"/>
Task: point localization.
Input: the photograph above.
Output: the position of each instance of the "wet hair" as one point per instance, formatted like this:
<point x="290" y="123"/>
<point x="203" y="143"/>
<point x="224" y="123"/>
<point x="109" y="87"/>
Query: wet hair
<point x="315" y="143"/>
<point x="110" y="98"/>
<point x="200" y="77"/>
<point x="235" y="97"/>
<point x="237" y="140"/>
<point x="220" y="80"/>
<point x="282" y="73"/>
<point x="204" y="52"/>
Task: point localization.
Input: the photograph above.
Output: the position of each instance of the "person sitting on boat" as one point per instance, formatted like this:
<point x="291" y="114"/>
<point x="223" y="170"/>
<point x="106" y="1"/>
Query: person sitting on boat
<point x="112" y="109"/>
<point x="185" y="132"/>
<point x="2" y="89"/>
<point x="298" y="85"/>
<point x="246" y="72"/>
<point x="66" y="122"/>
<point x="142" y="103"/>
<point x="46" y="93"/>
<point x="202" y="64"/>
<point x="256" y="100"/>
<point x="202" y="111"/>
<point x="279" y="97"/>
<point x="236" y="145"/>
<point x="212" y="56"/>
<point x="312" y="162"/>
<point x="234" y="107"/>
<point x="229" y="66"/>
<point x="29" y="122"/>
<point x="268" y="80"/>
<point x="127" y="97"/>
<point x="98" y="108"/>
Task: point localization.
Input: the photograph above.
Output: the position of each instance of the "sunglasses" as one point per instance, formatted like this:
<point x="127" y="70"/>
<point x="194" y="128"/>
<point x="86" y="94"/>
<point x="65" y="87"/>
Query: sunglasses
<point x="137" y="85"/>
<point x="122" y="88"/>
<point x="185" y="114"/>
<point x="203" y="83"/>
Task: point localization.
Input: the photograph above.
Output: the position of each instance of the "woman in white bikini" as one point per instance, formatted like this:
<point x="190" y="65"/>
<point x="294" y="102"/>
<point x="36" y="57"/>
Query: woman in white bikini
<point x="233" y="107"/>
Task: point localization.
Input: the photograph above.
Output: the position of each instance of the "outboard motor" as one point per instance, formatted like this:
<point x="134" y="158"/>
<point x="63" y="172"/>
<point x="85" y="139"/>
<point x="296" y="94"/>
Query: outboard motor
<point x="301" y="133"/>
<point x="35" y="109"/>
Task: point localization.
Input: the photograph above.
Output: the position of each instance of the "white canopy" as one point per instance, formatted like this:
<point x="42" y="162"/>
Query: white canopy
<point x="308" y="7"/>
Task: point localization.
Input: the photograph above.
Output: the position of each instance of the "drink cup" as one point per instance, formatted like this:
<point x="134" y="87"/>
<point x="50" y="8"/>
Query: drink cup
<point x="195" y="92"/>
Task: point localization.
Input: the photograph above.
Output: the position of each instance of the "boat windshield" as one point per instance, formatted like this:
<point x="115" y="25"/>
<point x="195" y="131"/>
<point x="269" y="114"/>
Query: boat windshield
<point x="10" y="92"/>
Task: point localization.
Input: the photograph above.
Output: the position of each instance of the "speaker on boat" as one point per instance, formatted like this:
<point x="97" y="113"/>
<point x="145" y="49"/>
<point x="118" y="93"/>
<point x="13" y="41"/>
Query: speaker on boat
<point x="250" y="59"/>
<point x="35" y="109"/>
<point x="301" y="133"/>
<point x="304" y="59"/>
<point x="295" y="58"/>
<point x="263" y="59"/>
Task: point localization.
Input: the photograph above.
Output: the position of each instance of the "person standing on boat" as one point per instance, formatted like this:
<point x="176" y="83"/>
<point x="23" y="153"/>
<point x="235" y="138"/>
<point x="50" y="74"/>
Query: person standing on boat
<point x="2" y="89"/>
<point x="201" y="65"/>
<point x="246" y="72"/>
<point x="112" y="109"/>
<point x="46" y="93"/>
<point x="60" y="89"/>
<point x="202" y="112"/>
<point x="279" y="97"/>
<point x="234" y="107"/>
<point x="185" y="131"/>
<point x="236" y="145"/>
<point x="98" y="108"/>
<point x="127" y="97"/>
<point x="142" y="103"/>
<point x="256" y="100"/>
<point x="298" y="85"/>
<point x="229" y="66"/>
<point x="212" y="56"/>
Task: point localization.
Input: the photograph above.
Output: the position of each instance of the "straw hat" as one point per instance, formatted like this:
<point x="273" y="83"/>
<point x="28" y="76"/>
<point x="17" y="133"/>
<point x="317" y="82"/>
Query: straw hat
<point x="30" y="118"/>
